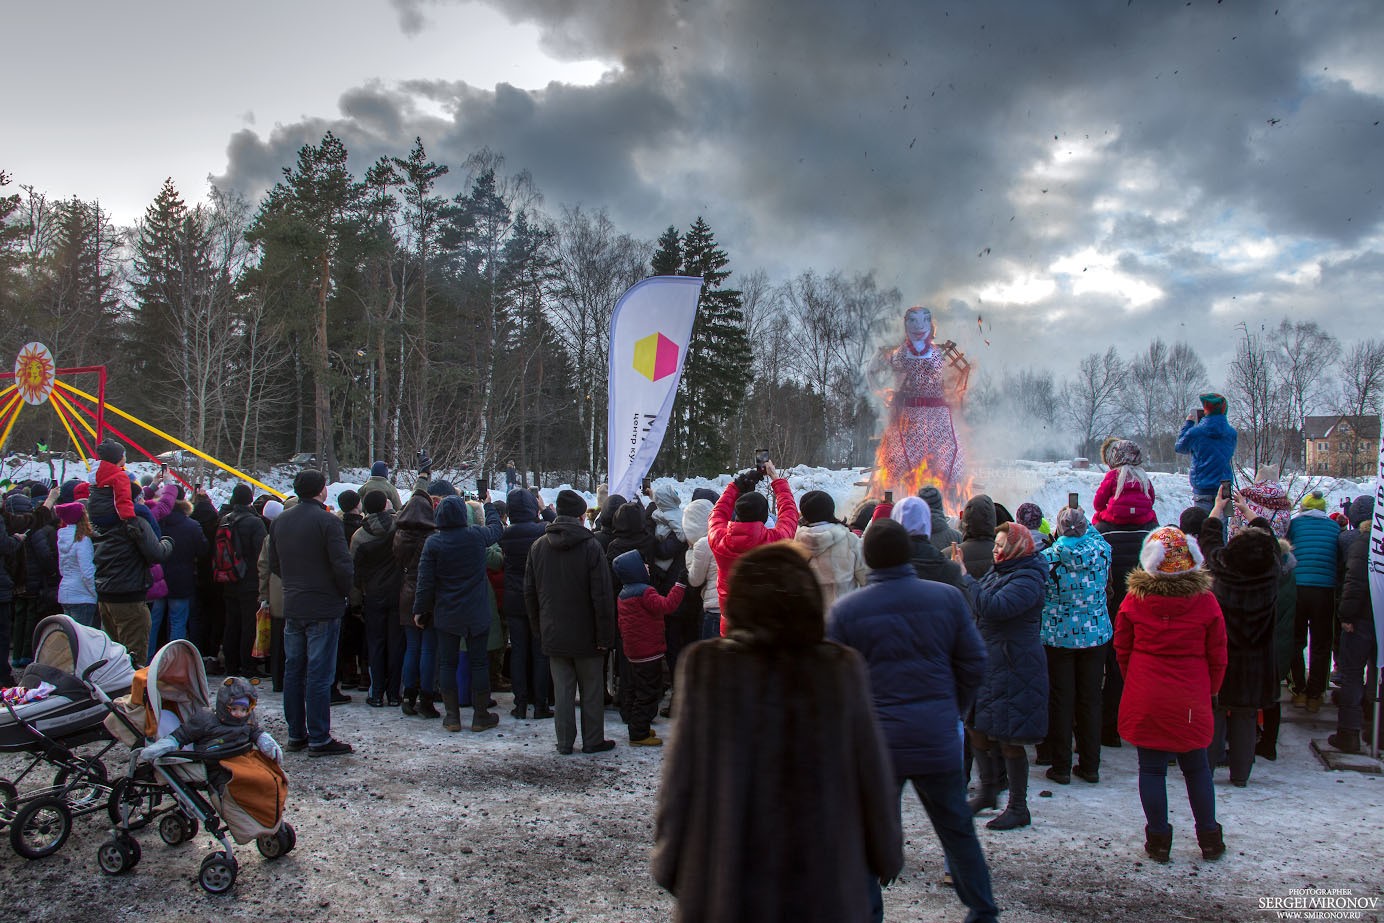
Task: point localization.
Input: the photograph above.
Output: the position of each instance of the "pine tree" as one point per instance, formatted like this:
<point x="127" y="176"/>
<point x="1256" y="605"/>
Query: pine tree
<point x="667" y="259"/>
<point x="11" y="240"/>
<point x="718" y="372"/>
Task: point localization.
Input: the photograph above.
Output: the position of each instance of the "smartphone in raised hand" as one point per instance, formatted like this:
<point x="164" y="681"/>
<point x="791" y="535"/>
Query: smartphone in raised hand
<point x="1072" y="501"/>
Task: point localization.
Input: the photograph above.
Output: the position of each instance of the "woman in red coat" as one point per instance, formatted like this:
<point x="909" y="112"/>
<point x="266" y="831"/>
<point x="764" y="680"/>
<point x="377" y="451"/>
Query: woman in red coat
<point x="1170" y="643"/>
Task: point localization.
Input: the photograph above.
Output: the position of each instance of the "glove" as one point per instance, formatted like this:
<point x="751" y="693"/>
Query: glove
<point x="157" y="749"/>
<point x="747" y="480"/>
<point x="270" y="747"/>
<point x="424" y="462"/>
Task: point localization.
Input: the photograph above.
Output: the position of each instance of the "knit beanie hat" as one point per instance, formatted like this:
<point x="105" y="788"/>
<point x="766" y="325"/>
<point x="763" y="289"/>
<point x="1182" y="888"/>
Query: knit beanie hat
<point x="308" y="483"/>
<point x="69" y="514"/>
<point x="751" y="507"/>
<point x="441" y="488"/>
<point x="570" y="503"/>
<point x="817" y="506"/>
<point x="1168" y="552"/>
<point x="914" y="515"/>
<point x="1361" y="510"/>
<point x="347" y="500"/>
<point x="1213" y="403"/>
<point x="1314" y="501"/>
<point x="1341" y="519"/>
<point x="379" y="470"/>
<point x="110" y="451"/>
<point x="1029" y="515"/>
<point x="375" y="502"/>
<point x="242" y="495"/>
<point x="1125" y="452"/>
<point x="65" y="492"/>
<point x="1071" y="523"/>
<point x="886" y="544"/>
<point x="272" y="509"/>
<point x="1014" y="541"/>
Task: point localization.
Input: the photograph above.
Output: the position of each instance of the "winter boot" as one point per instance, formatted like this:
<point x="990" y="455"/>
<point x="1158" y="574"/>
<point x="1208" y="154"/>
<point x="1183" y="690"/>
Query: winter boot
<point x="1212" y="843"/>
<point x="451" y="720"/>
<point x="410" y="703"/>
<point x="1345" y="741"/>
<point x="1016" y="813"/>
<point x="1159" y="846"/>
<point x="520" y="711"/>
<point x="483" y="720"/>
<point x="425" y="705"/>
<point x="985" y="765"/>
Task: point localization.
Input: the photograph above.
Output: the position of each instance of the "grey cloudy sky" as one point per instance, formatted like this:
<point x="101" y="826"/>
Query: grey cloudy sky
<point x="1081" y="174"/>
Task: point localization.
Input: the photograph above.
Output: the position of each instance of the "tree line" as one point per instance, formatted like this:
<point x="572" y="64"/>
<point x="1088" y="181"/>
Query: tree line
<point x="364" y="316"/>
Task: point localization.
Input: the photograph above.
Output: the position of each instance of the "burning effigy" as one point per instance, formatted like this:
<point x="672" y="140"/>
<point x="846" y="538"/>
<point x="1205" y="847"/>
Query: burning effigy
<point x="922" y="383"/>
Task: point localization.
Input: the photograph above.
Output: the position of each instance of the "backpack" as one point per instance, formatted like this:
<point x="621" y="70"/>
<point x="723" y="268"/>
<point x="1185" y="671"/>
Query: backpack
<point x="227" y="560"/>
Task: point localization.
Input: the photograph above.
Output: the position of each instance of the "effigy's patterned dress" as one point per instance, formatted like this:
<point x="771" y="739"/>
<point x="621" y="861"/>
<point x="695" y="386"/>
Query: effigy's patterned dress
<point x="920" y="444"/>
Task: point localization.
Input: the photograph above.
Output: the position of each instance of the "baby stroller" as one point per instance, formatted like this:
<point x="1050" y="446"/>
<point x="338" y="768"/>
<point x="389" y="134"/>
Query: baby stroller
<point x="72" y="659"/>
<point x="233" y="792"/>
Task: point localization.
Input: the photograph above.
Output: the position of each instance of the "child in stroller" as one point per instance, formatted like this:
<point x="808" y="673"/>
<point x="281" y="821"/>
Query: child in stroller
<point x="231" y="782"/>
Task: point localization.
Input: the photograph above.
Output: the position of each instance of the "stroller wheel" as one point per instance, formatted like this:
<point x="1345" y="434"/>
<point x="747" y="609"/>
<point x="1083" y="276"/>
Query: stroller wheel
<point x="88" y="783"/>
<point x="276" y="845"/>
<point x="217" y="875"/>
<point x="132" y="804"/>
<point x="41" y="827"/>
<point x="118" y="855"/>
<point x="174" y="828"/>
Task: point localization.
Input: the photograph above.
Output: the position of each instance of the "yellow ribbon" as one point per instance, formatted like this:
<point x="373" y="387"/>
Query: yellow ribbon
<point x="177" y="442"/>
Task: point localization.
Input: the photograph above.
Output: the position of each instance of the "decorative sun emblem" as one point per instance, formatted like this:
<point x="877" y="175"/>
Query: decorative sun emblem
<point x="34" y="372"/>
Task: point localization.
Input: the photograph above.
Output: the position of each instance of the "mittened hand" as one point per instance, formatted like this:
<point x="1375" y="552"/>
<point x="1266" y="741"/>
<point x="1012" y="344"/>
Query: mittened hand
<point x="159" y="748"/>
<point x="270" y="748"/>
<point x="747" y="480"/>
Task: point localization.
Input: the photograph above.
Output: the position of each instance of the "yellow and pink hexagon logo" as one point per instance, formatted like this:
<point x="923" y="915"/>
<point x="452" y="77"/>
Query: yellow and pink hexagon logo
<point x="655" y="357"/>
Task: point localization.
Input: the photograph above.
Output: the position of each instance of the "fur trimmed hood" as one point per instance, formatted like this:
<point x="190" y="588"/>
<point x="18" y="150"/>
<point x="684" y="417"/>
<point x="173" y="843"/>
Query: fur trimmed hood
<point x="1190" y="583"/>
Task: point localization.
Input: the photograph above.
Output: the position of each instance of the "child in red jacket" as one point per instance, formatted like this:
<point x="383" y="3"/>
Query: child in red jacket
<point x="1125" y="495"/>
<point x="642" y="610"/>
<point x="111" y="475"/>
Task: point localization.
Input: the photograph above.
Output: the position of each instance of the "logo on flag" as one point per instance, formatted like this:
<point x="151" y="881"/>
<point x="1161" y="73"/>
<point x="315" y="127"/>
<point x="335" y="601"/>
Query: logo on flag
<point x="655" y="357"/>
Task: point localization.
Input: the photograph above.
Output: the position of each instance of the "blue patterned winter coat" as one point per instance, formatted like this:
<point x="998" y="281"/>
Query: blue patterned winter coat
<point x="1074" y="610"/>
<point x="1012" y="703"/>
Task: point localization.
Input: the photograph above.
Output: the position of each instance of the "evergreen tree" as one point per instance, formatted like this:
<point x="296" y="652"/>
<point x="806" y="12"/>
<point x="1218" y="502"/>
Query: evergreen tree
<point x="11" y="242"/>
<point x="717" y="374"/>
<point x="667" y="259"/>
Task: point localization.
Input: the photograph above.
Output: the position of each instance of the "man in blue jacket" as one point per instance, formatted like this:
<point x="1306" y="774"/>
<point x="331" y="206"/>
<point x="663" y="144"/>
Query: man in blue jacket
<point x="926" y="661"/>
<point x="1211" y="443"/>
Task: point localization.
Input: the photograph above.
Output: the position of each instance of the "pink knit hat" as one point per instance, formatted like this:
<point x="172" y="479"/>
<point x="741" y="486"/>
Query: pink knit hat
<point x="69" y="514"/>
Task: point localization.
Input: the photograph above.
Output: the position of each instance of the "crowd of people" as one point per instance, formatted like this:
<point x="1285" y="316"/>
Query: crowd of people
<point x="846" y="657"/>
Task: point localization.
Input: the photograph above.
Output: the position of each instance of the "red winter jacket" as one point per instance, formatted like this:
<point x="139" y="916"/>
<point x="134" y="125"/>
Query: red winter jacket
<point x="641" y="622"/>
<point x="1170" y="643"/>
<point x="1132" y="507"/>
<point x="729" y="540"/>
<point x="117" y="480"/>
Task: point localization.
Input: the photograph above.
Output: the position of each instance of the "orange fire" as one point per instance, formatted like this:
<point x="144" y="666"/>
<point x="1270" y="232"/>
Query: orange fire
<point x="908" y="483"/>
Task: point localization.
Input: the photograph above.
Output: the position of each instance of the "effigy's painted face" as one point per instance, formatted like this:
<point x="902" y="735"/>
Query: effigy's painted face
<point x="917" y="324"/>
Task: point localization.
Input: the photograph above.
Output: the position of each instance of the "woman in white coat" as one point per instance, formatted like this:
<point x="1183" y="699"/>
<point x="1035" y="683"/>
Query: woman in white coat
<point x="834" y="551"/>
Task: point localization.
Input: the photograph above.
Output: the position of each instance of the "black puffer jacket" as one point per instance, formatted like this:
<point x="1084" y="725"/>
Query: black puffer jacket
<point x="372" y="555"/>
<point x="9" y="561"/>
<point x="978" y="527"/>
<point x="523" y="530"/>
<point x="567" y="591"/>
<point x="1355" y="586"/>
<point x="123" y="555"/>
<point x="1245" y="574"/>
<point x="605" y="522"/>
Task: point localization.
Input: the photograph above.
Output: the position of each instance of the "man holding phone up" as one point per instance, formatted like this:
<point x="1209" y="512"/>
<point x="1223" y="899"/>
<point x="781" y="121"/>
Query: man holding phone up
<point x="1209" y="438"/>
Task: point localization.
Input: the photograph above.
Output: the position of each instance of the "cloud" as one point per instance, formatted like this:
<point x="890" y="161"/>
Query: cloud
<point x="1186" y="156"/>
